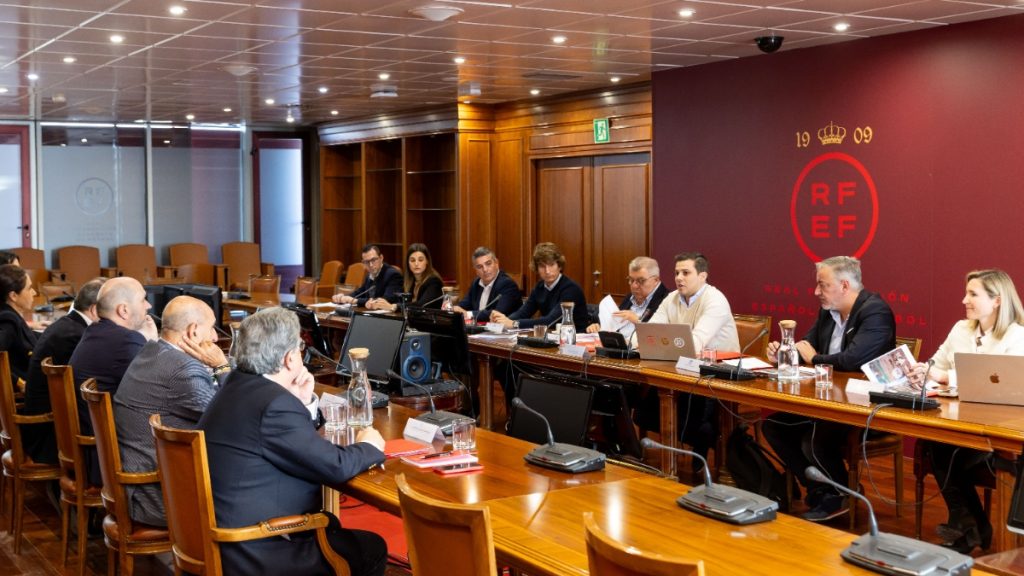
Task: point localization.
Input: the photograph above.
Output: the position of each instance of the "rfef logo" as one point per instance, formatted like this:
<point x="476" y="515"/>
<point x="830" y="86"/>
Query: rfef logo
<point x="834" y="209"/>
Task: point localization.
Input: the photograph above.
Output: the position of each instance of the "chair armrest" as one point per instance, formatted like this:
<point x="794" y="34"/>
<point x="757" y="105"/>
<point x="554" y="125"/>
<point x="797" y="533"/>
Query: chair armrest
<point x="273" y="527"/>
<point x="109" y="272"/>
<point x="33" y="419"/>
<point x="85" y="440"/>
<point x="220" y="276"/>
<point x="138" y="477"/>
<point x="266" y="268"/>
<point x="167" y="271"/>
<point x="57" y="275"/>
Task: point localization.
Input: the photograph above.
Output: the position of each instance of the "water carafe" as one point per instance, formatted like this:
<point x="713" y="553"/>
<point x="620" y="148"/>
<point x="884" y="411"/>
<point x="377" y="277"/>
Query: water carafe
<point x="360" y="395"/>
<point x="567" y="332"/>
<point x="788" y="356"/>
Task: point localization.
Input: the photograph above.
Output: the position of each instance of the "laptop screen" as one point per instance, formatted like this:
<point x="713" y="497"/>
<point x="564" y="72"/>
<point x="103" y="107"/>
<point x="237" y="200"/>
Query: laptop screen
<point x="309" y="328"/>
<point x="566" y="405"/>
<point x="382" y="335"/>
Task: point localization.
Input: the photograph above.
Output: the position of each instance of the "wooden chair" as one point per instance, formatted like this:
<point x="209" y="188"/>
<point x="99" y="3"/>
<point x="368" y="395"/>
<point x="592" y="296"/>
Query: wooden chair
<point x="243" y="260"/>
<point x="18" y="468"/>
<point x="356" y="274"/>
<point x="139" y="261"/>
<point x="198" y="273"/>
<point x="608" y="557"/>
<point x="188" y="253"/>
<point x="265" y="284"/>
<point x="307" y="286"/>
<point x="74" y="485"/>
<point x="191" y="260"/>
<point x="79" y="264"/>
<point x="191" y="518"/>
<point x="923" y="467"/>
<point x="330" y="275"/>
<point x="748" y="326"/>
<point x="33" y="261"/>
<point x="124" y="538"/>
<point x="464" y="530"/>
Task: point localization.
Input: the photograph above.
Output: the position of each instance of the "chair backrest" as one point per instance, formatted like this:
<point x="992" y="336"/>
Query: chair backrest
<point x="79" y="264"/>
<point x="356" y="274"/>
<point x="608" y="557"/>
<point x="7" y="410"/>
<point x="137" y="261"/>
<point x="189" y="253"/>
<point x="913" y="343"/>
<point x="265" y="284"/>
<point x="748" y="326"/>
<point x="463" y="530"/>
<point x="198" y="273"/>
<point x="517" y="278"/>
<point x="330" y="272"/>
<point x="102" y="413"/>
<point x="61" y="382"/>
<point x="305" y="286"/>
<point x="33" y="258"/>
<point x="188" y="499"/>
<point x="242" y="260"/>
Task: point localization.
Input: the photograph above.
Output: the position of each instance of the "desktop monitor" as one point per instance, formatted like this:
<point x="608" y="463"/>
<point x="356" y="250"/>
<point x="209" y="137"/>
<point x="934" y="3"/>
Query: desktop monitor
<point x="382" y="335"/>
<point x="309" y="329"/>
<point x="564" y="402"/>
<point x="158" y="295"/>
<point x="448" y="345"/>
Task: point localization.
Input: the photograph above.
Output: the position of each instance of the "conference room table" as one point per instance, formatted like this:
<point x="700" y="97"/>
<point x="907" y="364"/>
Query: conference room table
<point x="537" y="514"/>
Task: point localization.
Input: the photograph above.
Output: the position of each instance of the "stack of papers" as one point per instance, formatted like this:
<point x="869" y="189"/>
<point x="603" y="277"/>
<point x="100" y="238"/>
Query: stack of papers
<point x="401" y="447"/>
<point x="441" y="459"/>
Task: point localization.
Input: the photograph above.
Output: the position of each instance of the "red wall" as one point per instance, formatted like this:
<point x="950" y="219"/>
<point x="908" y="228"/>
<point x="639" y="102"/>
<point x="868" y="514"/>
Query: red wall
<point x="945" y="108"/>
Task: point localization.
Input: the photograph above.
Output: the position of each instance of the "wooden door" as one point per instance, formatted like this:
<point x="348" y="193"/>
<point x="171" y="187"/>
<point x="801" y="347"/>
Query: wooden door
<point x="597" y="209"/>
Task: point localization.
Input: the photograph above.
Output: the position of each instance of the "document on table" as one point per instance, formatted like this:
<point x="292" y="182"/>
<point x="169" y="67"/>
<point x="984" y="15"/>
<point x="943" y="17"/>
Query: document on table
<point x="606" y="311"/>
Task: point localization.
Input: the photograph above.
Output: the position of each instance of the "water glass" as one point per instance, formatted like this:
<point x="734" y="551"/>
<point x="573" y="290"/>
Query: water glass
<point x="540" y="331"/>
<point x="464" y="434"/>
<point x="708" y="356"/>
<point x="335" y="416"/>
<point x="822" y="375"/>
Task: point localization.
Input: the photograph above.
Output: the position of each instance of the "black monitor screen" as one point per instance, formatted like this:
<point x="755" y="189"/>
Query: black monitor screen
<point x="158" y="295"/>
<point x="449" y="345"/>
<point x="382" y="335"/>
<point x="213" y="298"/>
<point x="566" y="405"/>
<point x="310" y="330"/>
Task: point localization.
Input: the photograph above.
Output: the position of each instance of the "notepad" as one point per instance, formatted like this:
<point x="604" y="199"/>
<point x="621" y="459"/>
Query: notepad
<point x="431" y="461"/>
<point x="397" y="447"/>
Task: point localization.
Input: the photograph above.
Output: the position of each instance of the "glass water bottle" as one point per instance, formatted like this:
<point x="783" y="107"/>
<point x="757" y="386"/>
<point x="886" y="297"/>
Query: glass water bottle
<point x="360" y="395"/>
<point x="236" y="328"/>
<point x="451" y="297"/>
<point x="788" y="356"/>
<point x="567" y="332"/>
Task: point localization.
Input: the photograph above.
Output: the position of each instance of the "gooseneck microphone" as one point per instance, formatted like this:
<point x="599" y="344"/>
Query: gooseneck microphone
<point x="489" y="304"/>
<point x="893" y="554"/>
<point x="924" y="384"/>
<point x="64" y="296"/>
<point x="726" y="372"/>
<point x="557" y="455"/>
<point x="439" y="418"/>
<point x="720" y="502"/>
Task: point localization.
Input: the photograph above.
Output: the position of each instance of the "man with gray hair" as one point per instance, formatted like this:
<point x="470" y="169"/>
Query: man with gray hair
<point x="853" y="326"/>
<point x="646" y="291"/>
<point x="267" y="458"/>
<point x="57" y="342"/>
<point x="492" y="289"/>
<point x="175" y="376"/>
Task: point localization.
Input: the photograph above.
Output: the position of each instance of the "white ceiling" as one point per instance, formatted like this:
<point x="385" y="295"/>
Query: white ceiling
<point x="170" y="66"/>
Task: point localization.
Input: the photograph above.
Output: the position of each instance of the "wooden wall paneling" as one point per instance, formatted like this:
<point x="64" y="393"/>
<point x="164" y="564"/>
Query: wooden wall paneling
<point x="563" y="211"/>
<point x="341" y="200"/>
<point x="383" y="196"/>
<point x="431" y="198"/>
<point x="511" y="210"/>
<point x="621" y="213"/>
<point x="476" y="202"/>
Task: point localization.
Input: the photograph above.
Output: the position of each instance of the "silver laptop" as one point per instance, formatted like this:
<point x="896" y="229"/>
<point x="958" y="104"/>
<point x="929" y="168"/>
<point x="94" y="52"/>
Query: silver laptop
<point x="990" y="378"/>
<point x="664" y="341"/>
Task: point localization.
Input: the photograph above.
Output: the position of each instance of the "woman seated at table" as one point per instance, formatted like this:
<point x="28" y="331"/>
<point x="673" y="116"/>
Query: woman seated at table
<point x="993" y="326"/>
<point x="15" y="335"/>
<point x="421" y="281"/>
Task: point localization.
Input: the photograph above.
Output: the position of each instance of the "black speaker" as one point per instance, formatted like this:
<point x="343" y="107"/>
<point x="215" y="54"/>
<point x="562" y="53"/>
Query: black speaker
<point x="416" y="357"/>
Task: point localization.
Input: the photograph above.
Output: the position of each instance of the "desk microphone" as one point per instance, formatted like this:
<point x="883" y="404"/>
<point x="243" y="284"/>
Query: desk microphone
<point x="726" y="372"/>
<point x="720" y="502"/>
<point x="64" y="296"/>
<point x="911" y="400"/>
<point x="439" y="418"/>
<point x="893" y="554"/>
<point x="489" y="304"/>
<point x="560" y="456"/>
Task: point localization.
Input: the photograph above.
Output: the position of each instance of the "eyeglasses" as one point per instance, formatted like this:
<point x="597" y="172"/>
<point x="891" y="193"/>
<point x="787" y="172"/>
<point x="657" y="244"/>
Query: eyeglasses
<point x="302" y="346"/>
<point x="369" y="261"/>
<point x="637" y="281"/>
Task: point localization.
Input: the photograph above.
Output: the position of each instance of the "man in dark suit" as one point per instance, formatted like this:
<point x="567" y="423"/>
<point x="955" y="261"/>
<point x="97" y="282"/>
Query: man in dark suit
<point x="57" y="342"/>
<point x="381" y="282"/>
<point x="853" y="327"/>
<point x="492" y="289"/>
<point x="551" y="290"/>
<point x="646" y="291"/>
<point x="267" y="458"/>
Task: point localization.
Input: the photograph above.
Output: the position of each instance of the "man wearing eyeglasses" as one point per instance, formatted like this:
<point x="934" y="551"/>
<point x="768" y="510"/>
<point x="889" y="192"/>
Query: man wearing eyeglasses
<point x="646" y="293"/>
<point x="381" y="282"/>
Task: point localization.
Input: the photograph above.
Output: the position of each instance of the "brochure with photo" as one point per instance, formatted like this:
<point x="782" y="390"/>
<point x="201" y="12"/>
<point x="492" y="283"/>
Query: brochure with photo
<point x="891" y="369"/>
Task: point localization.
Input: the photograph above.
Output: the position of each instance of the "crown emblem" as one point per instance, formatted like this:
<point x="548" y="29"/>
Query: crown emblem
<point x="831" y="134"/>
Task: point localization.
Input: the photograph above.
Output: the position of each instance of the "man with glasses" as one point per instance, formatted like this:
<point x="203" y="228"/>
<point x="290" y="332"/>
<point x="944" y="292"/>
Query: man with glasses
<point x="646" y="294"/>
<point x="267" y="459"/>
<point x="492" y="290"/>
<point x="381" y="282"/>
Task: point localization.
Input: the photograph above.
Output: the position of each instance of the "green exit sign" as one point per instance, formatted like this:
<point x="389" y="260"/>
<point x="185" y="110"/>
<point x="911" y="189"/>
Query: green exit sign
<point x="601" y="134"/>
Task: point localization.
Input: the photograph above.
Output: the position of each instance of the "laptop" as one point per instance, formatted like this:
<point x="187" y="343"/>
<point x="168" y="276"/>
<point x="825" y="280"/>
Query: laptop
<point x="990" y="378"/>
<point x="664" y="341"/>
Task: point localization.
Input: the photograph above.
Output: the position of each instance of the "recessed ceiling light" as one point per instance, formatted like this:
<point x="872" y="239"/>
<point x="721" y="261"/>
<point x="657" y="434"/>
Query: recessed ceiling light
<point x="559" y="39"/>
<point x="116" y="38"/>
<point x="3" y="90"/>
<point x="687" y="12"/>
<point x="534" y="92"/>
<point x="177" y="10"/>
<point x="227" y="109"/>
<point x="322" y="89"/>
<point x="190" y="116"/>
<point x="383" y="75"/>
<point x="269" y="101"/>
<point x="334" y="112"/>
<point x="615" y="79"/>
<point x="290" y="119"/>
<point x="841" y="27"/>
<point x="167" y="141"/>
<point x="85" y="140"/>
<point x="459" y="60"/>
<point x="70" y="59"/>
<point x="63" y="144"/>
<point x="32" y="76"/>
<point x="436" y="12"/>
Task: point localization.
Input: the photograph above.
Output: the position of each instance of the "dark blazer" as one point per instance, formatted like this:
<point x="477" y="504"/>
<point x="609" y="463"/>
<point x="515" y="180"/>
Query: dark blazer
<point x="659" y="294"/>
<point x="267" y="459"/>
<point x="58" y="342"/>
<point x="870" y="332"/>
<point x="17" y="339"/>
<point x="387" y="283"/>
<point x="548" y="304"/>
<point x="511" y="297"/>
<point x="429" y="295"/>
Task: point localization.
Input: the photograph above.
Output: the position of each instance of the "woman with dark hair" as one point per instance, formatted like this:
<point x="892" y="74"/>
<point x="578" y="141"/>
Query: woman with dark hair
<point x="421" y="281"/>
<point x="16" y="299"/>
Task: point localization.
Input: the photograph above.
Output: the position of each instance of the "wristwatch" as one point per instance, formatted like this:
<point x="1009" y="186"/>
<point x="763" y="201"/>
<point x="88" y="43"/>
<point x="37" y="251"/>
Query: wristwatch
<point x="515" y="324"/>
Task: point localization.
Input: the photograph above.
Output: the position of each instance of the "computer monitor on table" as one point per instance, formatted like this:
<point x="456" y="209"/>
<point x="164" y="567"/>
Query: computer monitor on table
<point x="309" y="329"/>
<point x="382" y="335"/>
<point x="449" y="344"/>
<point x="565" y="403"/>
<point x="159" y="295"/>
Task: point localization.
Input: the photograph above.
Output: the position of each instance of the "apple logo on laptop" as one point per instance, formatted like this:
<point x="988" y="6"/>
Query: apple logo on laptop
<point x="994" y="378"/>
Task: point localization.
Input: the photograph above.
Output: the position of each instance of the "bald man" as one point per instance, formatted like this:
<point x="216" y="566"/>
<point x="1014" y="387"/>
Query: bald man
<point x="175" y="376"/>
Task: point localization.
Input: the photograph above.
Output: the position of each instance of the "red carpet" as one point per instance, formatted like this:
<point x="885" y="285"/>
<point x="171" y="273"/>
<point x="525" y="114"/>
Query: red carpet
<point x="359" y="515"/>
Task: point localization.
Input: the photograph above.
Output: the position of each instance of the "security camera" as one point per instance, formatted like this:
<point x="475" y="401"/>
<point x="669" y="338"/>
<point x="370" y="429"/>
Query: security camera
<point x="769" y="44"/>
